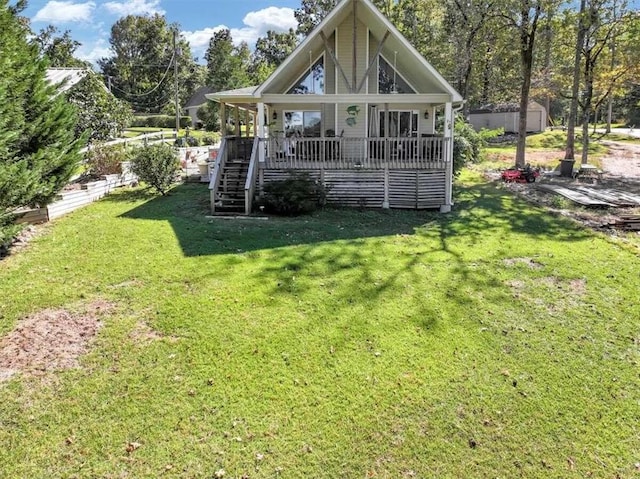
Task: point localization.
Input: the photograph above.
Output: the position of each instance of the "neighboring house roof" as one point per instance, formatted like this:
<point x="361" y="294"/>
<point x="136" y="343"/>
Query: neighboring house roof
<point x="504" y="107"/>
<point x="424" y="76"/>
<point x="198" y="98"/>
<point x="65" y="78"/>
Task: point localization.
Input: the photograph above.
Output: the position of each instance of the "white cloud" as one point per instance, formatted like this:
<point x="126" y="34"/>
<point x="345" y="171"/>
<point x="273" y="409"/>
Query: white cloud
<point x="199" y="40"/>
<point x="134" y="7"/>
<point x="65" y="11"/>
<point x="257" y="24"/>
<point x="94" y="52"/>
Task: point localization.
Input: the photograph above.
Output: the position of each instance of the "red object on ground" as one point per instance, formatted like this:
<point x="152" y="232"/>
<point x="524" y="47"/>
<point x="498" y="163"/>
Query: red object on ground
<point x="521" y="175"/>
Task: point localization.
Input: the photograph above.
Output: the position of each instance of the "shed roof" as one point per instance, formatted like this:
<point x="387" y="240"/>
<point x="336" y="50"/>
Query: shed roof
<point x="507" y="107"/>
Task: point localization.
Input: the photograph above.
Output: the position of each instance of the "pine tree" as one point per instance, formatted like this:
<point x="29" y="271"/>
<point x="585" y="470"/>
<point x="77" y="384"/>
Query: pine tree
<point x="38" y="149"/>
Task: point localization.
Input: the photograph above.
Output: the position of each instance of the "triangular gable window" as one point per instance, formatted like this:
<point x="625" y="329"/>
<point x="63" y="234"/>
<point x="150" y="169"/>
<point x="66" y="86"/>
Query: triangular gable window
<point x="312" y="81"/>
<point x="389" y="80"/>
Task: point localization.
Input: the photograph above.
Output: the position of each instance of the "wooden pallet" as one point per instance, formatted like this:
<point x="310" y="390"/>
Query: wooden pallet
<point x="617" y="197"/>
<point x="575" y="196"/>
<point x="626" y="222"/>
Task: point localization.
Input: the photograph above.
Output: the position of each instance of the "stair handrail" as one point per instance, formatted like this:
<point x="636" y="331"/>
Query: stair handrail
<point x="218" y="167"/>
<point x="252" y="172"/>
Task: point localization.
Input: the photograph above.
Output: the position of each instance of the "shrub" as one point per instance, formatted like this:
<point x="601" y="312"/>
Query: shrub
<point x="296" y="195"/>
<point x="8" y="232"/>
<point x="211" y="139"/>
<point x="157" y="165"/>
<point x="105" y="160"/>
<point x="467" y="145"/>
<point x="186" y="141"/>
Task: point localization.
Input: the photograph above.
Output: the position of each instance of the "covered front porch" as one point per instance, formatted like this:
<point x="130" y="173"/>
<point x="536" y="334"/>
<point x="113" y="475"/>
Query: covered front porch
<point x="392" y="156"/>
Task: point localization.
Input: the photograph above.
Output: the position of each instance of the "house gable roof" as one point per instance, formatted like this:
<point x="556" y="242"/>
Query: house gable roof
<point x="65" y="78"/>
<point x="198" y="98"/>
<point x="414" y="66"/>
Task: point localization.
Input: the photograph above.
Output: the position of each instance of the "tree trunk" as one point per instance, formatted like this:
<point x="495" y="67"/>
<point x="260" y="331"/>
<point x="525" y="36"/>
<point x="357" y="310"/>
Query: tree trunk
<point x="586" y="106"/>
<point x="609" y="113"/>
<point x="527" y="44"/>
<point x="573" y="110"/>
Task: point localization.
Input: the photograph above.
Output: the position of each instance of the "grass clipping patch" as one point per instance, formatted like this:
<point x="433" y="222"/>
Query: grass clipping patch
<point x="50" y="340"/>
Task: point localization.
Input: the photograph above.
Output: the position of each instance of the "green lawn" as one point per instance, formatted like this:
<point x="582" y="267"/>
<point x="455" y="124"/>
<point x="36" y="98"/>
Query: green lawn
<point x="495" y="341"/>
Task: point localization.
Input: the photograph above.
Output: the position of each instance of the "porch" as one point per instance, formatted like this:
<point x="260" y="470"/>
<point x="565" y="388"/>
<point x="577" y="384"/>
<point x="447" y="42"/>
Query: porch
<point x="340" y="153"/>
<point x="393" y="172"/>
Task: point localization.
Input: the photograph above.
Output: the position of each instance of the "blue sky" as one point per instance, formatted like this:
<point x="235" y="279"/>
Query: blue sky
<point x="90" y="21"/>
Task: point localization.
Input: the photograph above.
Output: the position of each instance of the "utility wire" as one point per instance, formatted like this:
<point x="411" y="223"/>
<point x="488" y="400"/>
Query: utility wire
<point x="164" y="77"/>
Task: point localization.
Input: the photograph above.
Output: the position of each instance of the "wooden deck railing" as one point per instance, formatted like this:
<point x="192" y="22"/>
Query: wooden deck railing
<point x="348" y="153"/>
<point x="218" y="167"/>
<point x="252" y="174"/>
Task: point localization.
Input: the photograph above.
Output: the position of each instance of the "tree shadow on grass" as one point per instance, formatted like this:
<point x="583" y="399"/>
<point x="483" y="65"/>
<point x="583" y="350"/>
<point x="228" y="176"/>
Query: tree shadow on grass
<point x="352" y="247"/>
<point x="480" y="210"/>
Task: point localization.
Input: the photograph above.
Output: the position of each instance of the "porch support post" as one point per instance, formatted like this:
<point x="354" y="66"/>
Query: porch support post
<point x="247" y="129"/>
<point x="387" y="143"/>
<point x="259" y="122"/>
<point x="223" y="119"/>
<point x="433" y="119"/>
<point x="385" y="202"/>
<point x="254" y="114"/>
<point x="448" y="152"/>
<point x="237" y="115"/>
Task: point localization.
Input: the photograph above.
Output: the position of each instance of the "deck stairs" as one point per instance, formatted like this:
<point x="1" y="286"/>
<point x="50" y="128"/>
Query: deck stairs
<point x="230" y="188"/>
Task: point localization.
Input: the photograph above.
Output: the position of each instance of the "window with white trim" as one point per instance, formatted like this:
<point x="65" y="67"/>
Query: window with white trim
<point x="305" y="123"/>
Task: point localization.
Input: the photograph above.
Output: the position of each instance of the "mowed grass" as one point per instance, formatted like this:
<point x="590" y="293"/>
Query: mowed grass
<point x="495" y="341"/>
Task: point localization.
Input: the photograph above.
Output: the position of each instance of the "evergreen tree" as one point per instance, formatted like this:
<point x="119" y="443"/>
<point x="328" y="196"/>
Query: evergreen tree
<point x="38" y="150"/>
<point x="271" y="50"/>
<point x="227" y="65"/>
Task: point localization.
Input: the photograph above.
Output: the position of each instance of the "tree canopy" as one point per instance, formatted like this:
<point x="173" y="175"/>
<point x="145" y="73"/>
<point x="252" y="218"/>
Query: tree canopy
<point x="59" y="48"/>
<point x="141" y="69"/>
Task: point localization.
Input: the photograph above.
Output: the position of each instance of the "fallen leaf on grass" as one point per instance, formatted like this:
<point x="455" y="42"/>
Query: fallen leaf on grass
<point x="132" y="446"/>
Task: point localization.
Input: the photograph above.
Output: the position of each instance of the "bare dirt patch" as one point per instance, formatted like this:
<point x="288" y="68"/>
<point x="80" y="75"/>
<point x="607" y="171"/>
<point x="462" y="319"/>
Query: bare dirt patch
<point x="530" y="262"/>
<point x="622" y="160"/>
<point x="50" y="340"/>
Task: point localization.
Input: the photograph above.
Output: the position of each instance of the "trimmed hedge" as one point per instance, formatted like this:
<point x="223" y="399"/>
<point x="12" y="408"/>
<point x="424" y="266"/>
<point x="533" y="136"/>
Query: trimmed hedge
<point x="160" y="121"/>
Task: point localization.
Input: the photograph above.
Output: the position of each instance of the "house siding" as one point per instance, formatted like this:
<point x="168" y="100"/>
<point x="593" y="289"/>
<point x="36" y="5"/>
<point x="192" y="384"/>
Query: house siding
<point x="344" y="51"/>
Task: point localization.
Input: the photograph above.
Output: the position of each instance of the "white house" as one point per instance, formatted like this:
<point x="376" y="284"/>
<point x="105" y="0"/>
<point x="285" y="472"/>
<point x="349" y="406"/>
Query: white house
<point x="354" y="105"/>
<point x="197" y="100"/>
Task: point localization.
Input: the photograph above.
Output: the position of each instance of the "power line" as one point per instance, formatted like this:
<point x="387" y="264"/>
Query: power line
<point x="164" y="77"/>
